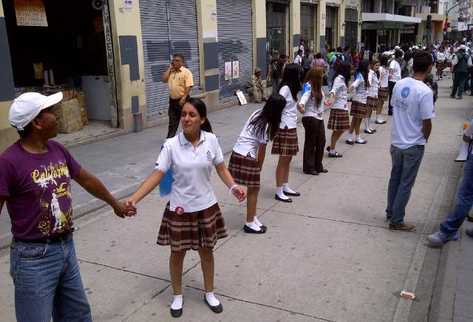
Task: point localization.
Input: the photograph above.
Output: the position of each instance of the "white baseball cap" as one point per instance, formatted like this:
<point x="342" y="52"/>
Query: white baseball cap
<point x="28" y="105"/>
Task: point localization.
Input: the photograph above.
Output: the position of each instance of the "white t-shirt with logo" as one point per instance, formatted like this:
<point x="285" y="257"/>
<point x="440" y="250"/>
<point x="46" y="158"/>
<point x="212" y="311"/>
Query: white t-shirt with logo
<point x="248" y="142"/>
<point x="191" y="167"/>
<point x="395" y="75"/>
<point x="412" y="103"/>
<point x="289" y="113"/>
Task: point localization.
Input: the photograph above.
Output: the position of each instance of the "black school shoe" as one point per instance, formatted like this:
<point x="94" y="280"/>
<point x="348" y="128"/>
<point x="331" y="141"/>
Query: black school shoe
<point x="250" y="230"/>
<point x="292" y="194"/>
<point x="215" y="309"/>
<point x="176" y="313"/>
<point x="288" y="200"/>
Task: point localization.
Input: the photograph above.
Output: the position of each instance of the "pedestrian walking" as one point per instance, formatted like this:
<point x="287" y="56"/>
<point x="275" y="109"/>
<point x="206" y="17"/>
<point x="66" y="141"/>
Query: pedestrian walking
<point x="277" y="68"/>
<point x="180" y="82"/>
<point x="383" y="91"/>
<point x="248" y="155"/>
<point x="192" y="218"/>
<point x="359" y="109"/>
<point x="311" y="105"/>
<point x="35" y="184"/>
<point x="372" y="101"/>
<point x="460" y="62"/>
<point x="413" y="109"/>
<point x="339" y="120"/>
<point x="394" y="76"/>
<point x="285" y="142"/>
<point x="463" y="202"/>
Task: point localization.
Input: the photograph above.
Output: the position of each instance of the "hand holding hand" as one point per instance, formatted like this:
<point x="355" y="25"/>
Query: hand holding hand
<point x="130" y="208"/>
<point x="238" y="192"/>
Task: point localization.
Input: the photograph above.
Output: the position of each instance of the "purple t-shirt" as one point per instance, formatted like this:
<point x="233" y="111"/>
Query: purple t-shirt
<point x="37" y="188"/>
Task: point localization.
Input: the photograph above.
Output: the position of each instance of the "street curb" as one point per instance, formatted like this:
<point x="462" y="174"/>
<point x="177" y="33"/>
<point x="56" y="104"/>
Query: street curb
<point x="403" y="307"/>
<point x="443" y="296"/>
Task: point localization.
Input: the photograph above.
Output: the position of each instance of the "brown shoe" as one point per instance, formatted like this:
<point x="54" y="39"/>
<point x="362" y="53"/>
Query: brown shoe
<point x="402" y="227"/>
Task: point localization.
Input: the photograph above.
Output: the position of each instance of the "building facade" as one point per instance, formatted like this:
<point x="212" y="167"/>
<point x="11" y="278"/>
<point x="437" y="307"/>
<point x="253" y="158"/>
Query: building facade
<point x="223" y="41"/>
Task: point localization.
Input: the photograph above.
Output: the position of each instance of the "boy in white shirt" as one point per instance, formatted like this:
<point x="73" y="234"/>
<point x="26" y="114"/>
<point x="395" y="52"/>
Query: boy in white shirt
<point x="394" y="76"/>
<point x="413" y="109"/>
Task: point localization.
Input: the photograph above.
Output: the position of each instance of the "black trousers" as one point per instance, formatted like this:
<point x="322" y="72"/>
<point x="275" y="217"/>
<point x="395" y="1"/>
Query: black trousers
<point x="459" y="84"/>
<point x="314" y="144"/>
<point x="174" y="114"/>
<point x="391" y="87"/>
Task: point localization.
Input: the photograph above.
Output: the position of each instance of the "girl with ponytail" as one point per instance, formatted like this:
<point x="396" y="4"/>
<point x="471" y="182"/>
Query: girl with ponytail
<point x="192" y="218"/>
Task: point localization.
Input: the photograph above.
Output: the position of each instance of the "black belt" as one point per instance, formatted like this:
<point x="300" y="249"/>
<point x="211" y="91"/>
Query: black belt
<point x="51" y="240"/>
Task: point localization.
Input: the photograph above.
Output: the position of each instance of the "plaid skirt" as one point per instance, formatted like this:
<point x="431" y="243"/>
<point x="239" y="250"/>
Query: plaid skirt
<point x="441" y="65"/>
<point x="383" y="93"/>
<point x="338" y="120"/>
<point x="244" y="170"/>
<point x="285" y="142"/>
<point x="192" y="230"/>
<point x="371" y="104"/>
<point x="358" y="109"/>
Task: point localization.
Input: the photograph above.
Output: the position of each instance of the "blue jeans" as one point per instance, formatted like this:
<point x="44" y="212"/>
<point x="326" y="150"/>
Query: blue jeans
<point x="405" y="165"/>
<point x="463" y="202"/>
<point x="48" y="283"/>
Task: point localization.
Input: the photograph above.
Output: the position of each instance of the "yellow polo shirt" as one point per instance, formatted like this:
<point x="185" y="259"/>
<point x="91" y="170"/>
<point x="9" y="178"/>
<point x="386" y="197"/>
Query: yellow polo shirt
<point x="179" y="81"/>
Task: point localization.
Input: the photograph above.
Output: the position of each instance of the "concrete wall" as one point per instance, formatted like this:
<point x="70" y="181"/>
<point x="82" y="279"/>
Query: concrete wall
<point x="129" y="62"/>
<point x="7" y="90"/>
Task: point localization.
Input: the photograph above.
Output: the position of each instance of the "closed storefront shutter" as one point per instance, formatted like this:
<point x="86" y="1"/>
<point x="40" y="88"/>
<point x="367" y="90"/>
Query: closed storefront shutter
<point x="235" y="43"/>
<point x="351" y="27"/>
<point x="161" y="38"/>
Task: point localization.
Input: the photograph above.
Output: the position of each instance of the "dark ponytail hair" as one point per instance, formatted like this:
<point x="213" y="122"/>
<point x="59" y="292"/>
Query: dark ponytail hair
<point x="269" y="116"/>
<point x="202" y="110"/>
<point x="291" y="78"/>
<point x="343" y="70"/>
<point x="363" y="70"/>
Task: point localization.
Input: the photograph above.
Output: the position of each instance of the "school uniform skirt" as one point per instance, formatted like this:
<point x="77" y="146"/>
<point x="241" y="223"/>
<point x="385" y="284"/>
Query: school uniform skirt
<point x="285" y="142"/>
<point x="371" y="104"/>
<point x="383" y="93"/>
<point x="244" y="170"/>
<point x="191" y="230"/>
<point x="338" y="120"/>
<point x="358" y="109"/>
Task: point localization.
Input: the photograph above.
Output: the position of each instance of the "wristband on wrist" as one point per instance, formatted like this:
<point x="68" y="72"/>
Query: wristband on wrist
<point x="230" y="190"/>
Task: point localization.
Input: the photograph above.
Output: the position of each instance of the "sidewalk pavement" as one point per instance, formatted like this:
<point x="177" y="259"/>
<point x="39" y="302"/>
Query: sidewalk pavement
<point x="327" y="257"/>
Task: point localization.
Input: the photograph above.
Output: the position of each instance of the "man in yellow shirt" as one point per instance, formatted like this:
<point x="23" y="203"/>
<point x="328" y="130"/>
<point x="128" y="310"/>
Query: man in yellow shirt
<point x="180" y="82"/>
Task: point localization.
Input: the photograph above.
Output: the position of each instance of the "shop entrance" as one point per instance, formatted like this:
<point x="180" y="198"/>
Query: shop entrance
<point x="61" y="45"/>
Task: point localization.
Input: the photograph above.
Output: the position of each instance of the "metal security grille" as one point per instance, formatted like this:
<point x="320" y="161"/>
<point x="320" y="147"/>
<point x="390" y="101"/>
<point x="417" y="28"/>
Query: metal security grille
<point x="167" y="27"/>
<point x="351" y="28"/>
<point x="235" y="43"/>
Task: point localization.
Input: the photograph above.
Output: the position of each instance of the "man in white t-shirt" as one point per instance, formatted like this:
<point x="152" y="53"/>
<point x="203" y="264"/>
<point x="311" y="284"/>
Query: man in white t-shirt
<point x="413" y="110"/>
<point x="394" y="75"/>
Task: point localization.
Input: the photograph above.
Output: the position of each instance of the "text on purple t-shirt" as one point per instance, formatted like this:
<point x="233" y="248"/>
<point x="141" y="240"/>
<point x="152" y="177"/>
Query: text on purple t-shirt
<point x="37" y="188"/>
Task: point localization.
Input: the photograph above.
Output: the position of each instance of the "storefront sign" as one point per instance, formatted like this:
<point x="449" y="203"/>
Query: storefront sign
<point x="30" y="13"/>
<point x="228" y="70"/>
<point x="236" y="69"/>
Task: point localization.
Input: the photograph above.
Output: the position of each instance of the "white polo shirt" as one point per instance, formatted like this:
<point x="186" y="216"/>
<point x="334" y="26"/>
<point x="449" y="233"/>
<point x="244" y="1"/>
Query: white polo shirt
<point x="310" y="108"/>
<point x="412" y="102"/>
<point x="361" y="90"/>
<point x="248" y="143"/>
<point x="383" y="77"/>
<point x="374" y="84"/>
<point x="289" y="113"/>
<point x="340" y="90"/>
<point x="395" y="75"/>
<point x="191" y="168"/>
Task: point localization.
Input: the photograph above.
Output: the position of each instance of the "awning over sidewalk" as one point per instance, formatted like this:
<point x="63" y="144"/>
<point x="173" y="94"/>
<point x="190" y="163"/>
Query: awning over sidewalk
<point x="382" y="17"/>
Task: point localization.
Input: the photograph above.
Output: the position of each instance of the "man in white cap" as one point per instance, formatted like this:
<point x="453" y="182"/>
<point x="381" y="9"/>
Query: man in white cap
<point x="35" y="184"/>
<point x="461" y="61"/>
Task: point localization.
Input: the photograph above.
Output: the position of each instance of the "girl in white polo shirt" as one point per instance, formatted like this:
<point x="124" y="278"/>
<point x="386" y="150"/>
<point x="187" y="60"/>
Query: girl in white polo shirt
<point x="248" y="155"/>
<point x="339" y="120"/>
<point x="372" y="100"/>
<point x="358" y="109"/>
<point x="311" y="105"/>
<point x="192" y="218"/>
<point x="383" y="91"/>
<point x="285" y="142"/>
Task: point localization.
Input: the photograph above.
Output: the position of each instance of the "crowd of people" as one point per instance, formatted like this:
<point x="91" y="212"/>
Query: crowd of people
<point x="35" y="172"/>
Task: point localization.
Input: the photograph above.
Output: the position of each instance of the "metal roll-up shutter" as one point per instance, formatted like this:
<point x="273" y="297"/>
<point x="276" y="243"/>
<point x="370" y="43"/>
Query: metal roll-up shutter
<point x="161" y="38"/>
<point x="235" y="43"/>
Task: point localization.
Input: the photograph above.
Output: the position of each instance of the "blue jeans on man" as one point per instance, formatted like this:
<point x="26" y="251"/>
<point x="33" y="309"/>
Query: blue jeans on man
<point x="48" y="282"/>
<point x="405" y="165"/>
<point x="463" y="202"/>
